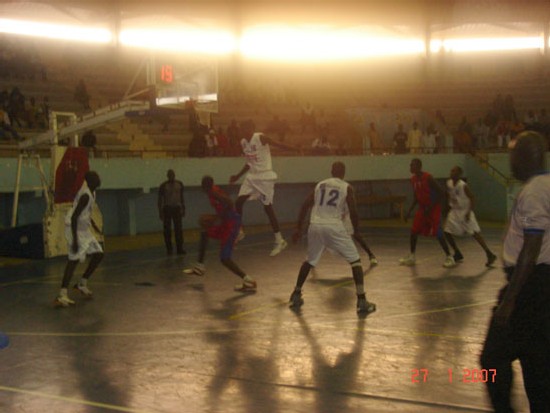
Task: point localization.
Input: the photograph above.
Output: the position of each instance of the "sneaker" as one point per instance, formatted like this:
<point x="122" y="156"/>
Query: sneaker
<point x="373" y="261"/>
<point x="196" y="269"/>
<point x="408" y="260"/>
<point x="458" y="257"/>
<point x="240" y="236"/>
<point x="449" y="262"/>
<point x="279" y="246"/>
<point x="364" y="306"/>
<point x="246" y="286"/>
<point x="491" y="258"/>
<point x="296" y="300"/>
<point x="62" y="301"/>
<point x="84" y="290"/>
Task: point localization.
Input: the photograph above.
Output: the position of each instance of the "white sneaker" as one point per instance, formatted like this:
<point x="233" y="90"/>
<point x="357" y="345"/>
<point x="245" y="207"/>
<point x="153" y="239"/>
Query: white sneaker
<point x="408" y="260"/>
<point x="246" y="286"/>
<point x="63" y="301"/>
<point x="84" y="290"/>
<point x="240" y="236"/>
<point x="449" y="262"/>
<point x="279" y="246"/>
<point x="196" y="269"/>
<point x="373" y="261"/>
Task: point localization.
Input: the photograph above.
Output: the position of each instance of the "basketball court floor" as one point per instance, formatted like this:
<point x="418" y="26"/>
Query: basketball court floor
<point x="156" y="340"/>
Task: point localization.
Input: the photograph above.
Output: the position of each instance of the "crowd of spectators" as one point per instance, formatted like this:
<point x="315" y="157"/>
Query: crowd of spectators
<point x="18" y="112"/>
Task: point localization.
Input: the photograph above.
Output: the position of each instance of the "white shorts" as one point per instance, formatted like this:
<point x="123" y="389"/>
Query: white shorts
<point x="262" y="189"/>
<point x="456" y="223"/>
<point x="334" y="237"/>
<point x="87" y="244"/>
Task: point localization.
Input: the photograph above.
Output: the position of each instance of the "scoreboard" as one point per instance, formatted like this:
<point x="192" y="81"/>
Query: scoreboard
<point x="178" y="81"/>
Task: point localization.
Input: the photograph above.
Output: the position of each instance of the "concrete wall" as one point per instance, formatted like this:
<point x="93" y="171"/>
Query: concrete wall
<point x="128" y="195"/>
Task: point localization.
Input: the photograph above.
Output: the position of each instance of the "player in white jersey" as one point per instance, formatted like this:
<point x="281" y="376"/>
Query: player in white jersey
<point x="461" y="218"/>
<point x="80" y="239"/>
<point x="329" y="202"/>
<point x="520" y="325"/>
<point x="259" y="182"/>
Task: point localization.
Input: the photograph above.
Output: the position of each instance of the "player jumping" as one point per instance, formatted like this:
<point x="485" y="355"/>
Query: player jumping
<point x="259" y="182"/>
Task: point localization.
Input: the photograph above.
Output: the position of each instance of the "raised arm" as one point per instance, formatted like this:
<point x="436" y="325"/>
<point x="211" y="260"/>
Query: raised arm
<point x="267" y="140"/>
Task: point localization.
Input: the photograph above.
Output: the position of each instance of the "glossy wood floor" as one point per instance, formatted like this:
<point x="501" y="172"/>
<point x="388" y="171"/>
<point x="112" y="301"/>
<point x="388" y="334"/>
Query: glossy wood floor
<point x="156" y="340"/>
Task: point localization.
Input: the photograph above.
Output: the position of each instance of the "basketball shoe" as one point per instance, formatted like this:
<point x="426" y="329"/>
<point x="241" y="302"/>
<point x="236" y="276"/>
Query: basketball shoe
<point x="363" y="306"/>
<point x="246" y="286"/>
<point x="296" y="300"/>
<point x="449" y="262"/>
<point x="83" y="289"/>
<point x="63" y="301"/>
<point x="408" y="260"/>
<point x="196" y="269"/>
<point x="278" y="247"/>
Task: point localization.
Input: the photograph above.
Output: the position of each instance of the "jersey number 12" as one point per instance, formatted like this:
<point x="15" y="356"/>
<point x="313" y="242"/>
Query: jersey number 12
<point x="332" y="197"/>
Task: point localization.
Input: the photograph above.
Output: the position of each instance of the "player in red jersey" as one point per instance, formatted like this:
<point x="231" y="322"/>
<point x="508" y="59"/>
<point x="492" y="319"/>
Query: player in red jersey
<point x="225" y="228"/>
<point x="427" y="220"/>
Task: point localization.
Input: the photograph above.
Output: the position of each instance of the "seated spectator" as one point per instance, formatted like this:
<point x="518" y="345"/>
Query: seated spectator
<point x="414" y="139"/>
<point x="211" y="143"/>
<point x="320" y="146"/>
<point x="375" y="140"/>
<point x="530" y="120"/>
<point x="81" y="95"/>
<point x="463" y="138"/>
<point x="6" y="130"/>
<point x="46" y="110"/>
<point x="481" y="134"/>
<point x="223" y="143"/>
<point x="400" y="140"/>
<point x="31" y="112"/>
<point x="16" y="106"/>
<point x="430" y="139"/>
<point x="197" y="146"/>
<point x="503" y="135"/>
<point x="307" y="119"/>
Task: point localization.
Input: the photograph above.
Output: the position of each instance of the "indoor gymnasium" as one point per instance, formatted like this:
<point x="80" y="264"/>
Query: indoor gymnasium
<point x="274" y="206"/>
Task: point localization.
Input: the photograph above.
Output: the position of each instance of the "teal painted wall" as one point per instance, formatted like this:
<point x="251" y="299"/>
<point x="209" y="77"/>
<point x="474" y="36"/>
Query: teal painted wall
<point x="491" y="203"/>
<point x="128" y="194"/>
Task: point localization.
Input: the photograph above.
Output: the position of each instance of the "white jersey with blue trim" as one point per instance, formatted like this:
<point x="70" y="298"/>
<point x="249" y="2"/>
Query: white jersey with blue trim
<point x="458" y="199"/>
<point x="530" y="214"/>
<point x="258" y="157"/>
<point x="330" y="202"/>
<point x="84" y="219"/>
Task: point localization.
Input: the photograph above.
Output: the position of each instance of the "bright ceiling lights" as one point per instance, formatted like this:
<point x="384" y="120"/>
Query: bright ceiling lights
<point x="486" y="44"/>
<point x="302" y="44"/>
<point x="55" y="31"/>
<point x="180" y="40"/>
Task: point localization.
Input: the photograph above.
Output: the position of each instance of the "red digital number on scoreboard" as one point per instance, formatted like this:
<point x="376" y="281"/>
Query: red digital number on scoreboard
<point x="167" y="73"/>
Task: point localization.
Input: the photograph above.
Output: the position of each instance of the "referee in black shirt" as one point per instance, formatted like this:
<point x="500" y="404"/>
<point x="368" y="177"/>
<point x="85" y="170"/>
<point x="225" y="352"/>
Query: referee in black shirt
<point x="172" y="209"/>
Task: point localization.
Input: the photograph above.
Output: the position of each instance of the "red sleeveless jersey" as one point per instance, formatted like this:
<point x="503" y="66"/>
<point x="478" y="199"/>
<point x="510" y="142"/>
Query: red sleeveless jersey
<point x="424" y="194"/>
